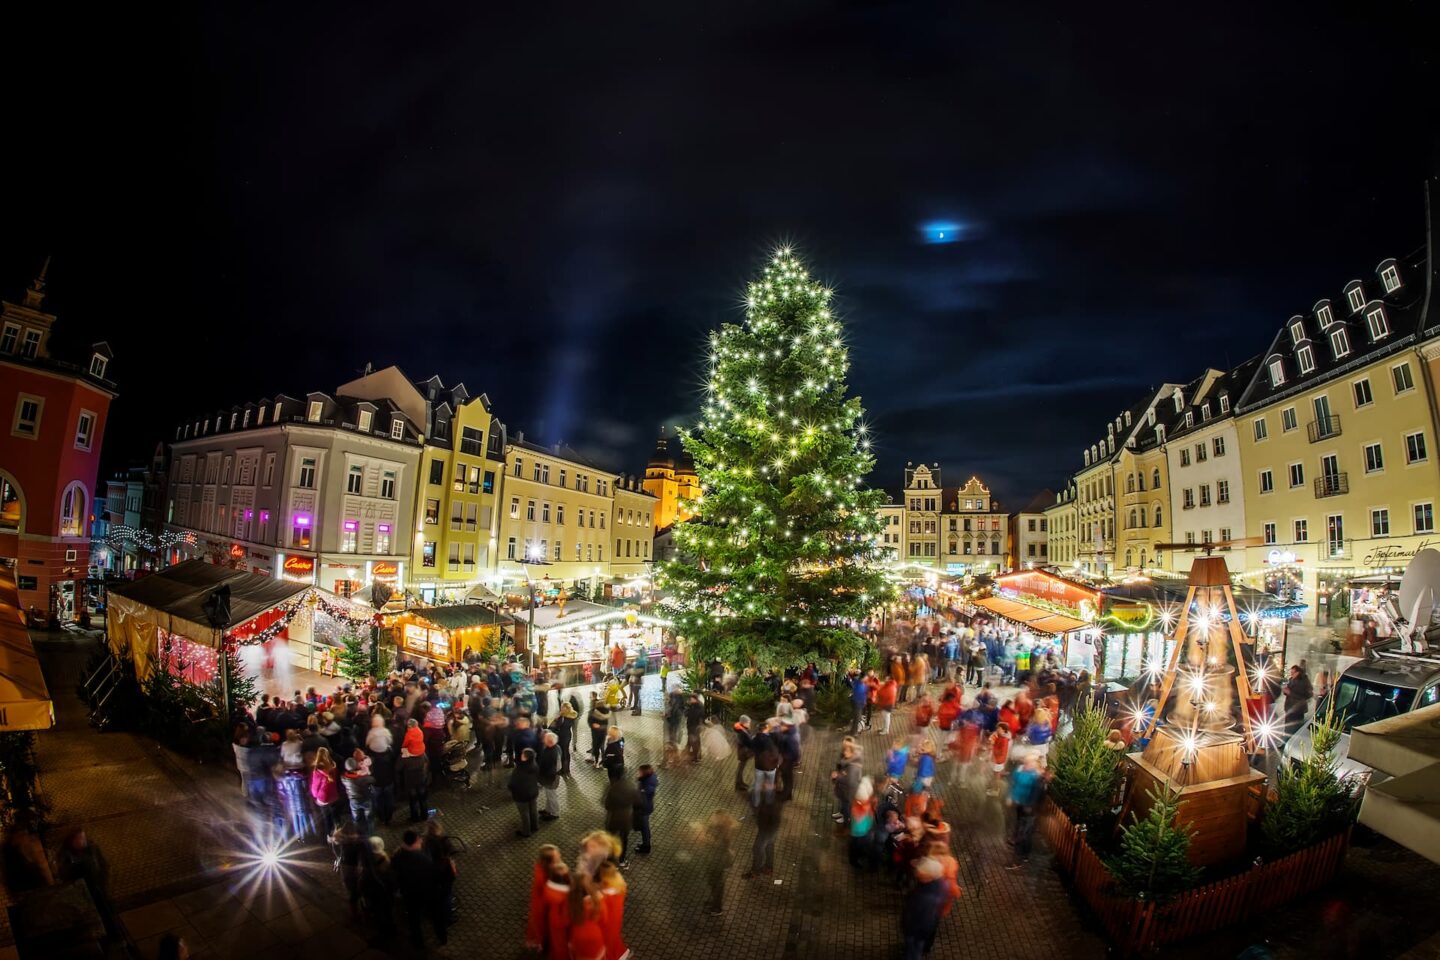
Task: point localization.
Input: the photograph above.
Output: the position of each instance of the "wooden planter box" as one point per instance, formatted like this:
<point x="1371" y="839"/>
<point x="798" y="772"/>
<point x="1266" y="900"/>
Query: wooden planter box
<point x="1137" y="926"/>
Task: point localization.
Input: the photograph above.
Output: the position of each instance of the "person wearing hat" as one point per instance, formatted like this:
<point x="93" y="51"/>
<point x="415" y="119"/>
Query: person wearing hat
<point x="924" y="906"/>
<point x="360" y="792"/>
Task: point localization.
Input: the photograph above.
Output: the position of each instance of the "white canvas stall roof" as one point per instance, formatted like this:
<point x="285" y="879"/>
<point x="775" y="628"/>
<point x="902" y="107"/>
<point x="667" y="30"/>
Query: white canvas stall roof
<point x="180" y="591"/>
<point x="1407" y="808"/>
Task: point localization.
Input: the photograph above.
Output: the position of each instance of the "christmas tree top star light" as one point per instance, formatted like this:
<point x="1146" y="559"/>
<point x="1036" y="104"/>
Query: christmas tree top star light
<point x="783" y="555"/>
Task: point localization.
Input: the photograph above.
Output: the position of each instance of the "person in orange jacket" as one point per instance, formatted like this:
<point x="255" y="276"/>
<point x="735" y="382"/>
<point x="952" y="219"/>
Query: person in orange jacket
<point x="885" y="696"/>
<point x="557" y="913"/>
<point x="949" y="875"/>
<point x="613" y="888"/>
<point x="535" y="922"/>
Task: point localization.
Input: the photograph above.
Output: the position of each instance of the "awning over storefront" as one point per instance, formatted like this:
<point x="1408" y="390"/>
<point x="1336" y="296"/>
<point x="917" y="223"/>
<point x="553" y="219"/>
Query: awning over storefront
<point x="1407" y="808"/>
<point x="460" y="616"/>
<point x="174" y="600"/>
<point x="24" y="699"/>
<point x="1034" y="618"/>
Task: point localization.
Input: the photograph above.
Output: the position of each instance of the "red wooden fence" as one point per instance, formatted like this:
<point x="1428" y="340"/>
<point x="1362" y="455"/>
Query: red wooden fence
<point x="1136" y="926"/>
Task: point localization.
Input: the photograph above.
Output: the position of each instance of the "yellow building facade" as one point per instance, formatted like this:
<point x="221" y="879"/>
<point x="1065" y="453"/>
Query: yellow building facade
<point x="555" y="517"/>
<point x="1337" y="436"/>
<point x="670" y="479"/>
<point x="632" y="528"/>
<point x="460" y="473"/>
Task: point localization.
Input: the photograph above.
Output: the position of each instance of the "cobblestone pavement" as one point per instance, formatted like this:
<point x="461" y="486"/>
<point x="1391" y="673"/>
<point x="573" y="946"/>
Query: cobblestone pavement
<point x="174" y="833"/>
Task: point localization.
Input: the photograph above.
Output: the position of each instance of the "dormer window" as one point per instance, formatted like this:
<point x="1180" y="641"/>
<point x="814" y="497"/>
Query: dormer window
<point x="397" y="429"/>
<point x="1277" y="372"/>
<point x="1205" y="411"/>
<point x="1306" y="358"/>
<point x="1297" y="330"/>
<point x="276" y="417"/>
<point x="245" y="420"/>
<point x="1150" y="416"/>
<point x="1179" y="401"/>
<point x="1375" y="320"/>
<point x="1340" y="343"/>
<point x="97" y="366"/>
<point x="1390" y="276"/>
<point x="1127" y="418"/>
<point x="1224" y="403"/>
<point x="234" y="418"/>
<point x="366" y="418"/>
<point x="316" y="408"/>
<point x="1160" y="433"/>
<point x="1189" y="418"/>
<point x="1323" y="314"/>
<point x="1355" y="293"/>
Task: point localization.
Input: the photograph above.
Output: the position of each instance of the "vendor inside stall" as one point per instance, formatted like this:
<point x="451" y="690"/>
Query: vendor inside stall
<point x="447" y="634"/>
<point x="585" y="639"/>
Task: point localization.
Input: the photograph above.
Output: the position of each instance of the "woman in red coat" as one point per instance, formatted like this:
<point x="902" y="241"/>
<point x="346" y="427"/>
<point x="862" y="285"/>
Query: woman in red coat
<point x="587" y="918"/>
<point x="535" y="921"/>
<point x="612" y="886"/>
<point x="557" y="913"/>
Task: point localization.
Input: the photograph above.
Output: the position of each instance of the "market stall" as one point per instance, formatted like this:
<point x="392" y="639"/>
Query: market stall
<point x="24" y="699"/>
<point x="587" y="632"/>
<point x="1366" y="593"/>
<point x="444" y="634"/>
<point x="162" y="618"/>
<point x="1050" y="610"/>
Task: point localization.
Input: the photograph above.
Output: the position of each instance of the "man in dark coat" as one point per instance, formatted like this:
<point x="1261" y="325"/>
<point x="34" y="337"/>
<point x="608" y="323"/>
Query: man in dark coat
<point x="694" y="717"/>
<point x="620" y="800"/>
<point x="414" y="874"/>
<point x="524" y="790"/>
<point x="744" y="750"/>
<point x="412" y="776"/>
<point x="360" y="792"/>
<point x="924" y="906"/>
<point x="548" y="765"/>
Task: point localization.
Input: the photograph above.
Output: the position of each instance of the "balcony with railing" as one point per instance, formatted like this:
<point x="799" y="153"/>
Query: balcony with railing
<point x="1323" y="428"/>
<point x="1332" y="484"/>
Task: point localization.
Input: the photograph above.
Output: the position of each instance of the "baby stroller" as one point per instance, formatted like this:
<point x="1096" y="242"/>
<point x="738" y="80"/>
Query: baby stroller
<point x="455" y="765"/>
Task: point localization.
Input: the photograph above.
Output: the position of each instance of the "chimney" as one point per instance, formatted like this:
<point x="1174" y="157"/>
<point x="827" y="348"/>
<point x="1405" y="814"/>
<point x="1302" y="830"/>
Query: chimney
<point x="519" y="436"/>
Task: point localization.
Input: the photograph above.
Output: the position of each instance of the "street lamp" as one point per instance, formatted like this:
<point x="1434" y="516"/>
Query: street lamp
<point x="533" y="557"/>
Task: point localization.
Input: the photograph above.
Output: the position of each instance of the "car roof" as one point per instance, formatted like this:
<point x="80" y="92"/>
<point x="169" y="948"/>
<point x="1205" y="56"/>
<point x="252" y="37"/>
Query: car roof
<point x="1396" y="671"/>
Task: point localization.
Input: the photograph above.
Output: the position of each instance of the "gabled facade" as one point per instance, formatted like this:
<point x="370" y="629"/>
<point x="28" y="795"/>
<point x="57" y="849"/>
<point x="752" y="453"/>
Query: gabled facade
<point x="1337" y="431"/>
<point x="923" y="498"/>
<point x="55" y="413"/>
<point x="974" y="530"/>
<point x="1062" y="524"/>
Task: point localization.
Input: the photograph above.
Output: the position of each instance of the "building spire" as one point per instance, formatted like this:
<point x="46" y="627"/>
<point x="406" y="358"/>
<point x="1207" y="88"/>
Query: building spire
<point x="36" y="293"/>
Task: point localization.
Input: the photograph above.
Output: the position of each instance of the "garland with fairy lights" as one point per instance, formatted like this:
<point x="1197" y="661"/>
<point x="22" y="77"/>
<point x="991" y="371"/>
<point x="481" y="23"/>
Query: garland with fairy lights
<point x="288" y="611"/>
<point x="784" y="545"/>
<point x="145" y="540"/>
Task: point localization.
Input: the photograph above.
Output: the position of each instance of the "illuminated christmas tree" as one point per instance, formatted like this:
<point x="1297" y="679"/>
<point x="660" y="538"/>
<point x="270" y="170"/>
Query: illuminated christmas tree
<point x="784" y="555"/>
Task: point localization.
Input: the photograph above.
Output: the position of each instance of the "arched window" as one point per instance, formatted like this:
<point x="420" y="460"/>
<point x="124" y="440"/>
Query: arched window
<point x="12" y="505"/>
<point x="1130" y="483"/>
<point x="1155" y="479"/>
<point x="1142" y="516"/>
<point x="1132" y="518"/>
<point x="72" y="510"/>
<point x="1157" y="516"/>
<point x="1140" y="484"/>
<point x="1129" y="556"/>
<point x="1142" y="559"/>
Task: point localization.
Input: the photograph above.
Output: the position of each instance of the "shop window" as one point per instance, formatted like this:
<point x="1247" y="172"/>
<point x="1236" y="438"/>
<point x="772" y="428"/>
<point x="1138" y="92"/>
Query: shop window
<point x="427" y="552"/>
<point x="382" y="538"/>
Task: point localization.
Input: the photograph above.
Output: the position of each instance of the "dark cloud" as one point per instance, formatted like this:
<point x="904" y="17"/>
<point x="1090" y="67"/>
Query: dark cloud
<point x="556" y="208"/>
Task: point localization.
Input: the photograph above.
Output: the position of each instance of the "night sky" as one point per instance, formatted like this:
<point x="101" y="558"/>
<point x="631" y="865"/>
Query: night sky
<point x="552" y="203"/>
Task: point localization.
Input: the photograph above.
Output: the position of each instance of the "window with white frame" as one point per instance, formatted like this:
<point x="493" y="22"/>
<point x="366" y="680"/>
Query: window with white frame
<point x="1217" y="444"/>
<point x="1424" y="514"/>
<point x="9" y="338"/>
<point x="1302" y="531"/>
<point x="529" y="509"/>
<point x="1270" y="534"/>
<point x="1297" y="475"/>
<point x="1277" y="372"/>
<point x="1306" y="358"/>
<point x="1380" y="522"/>
<point x="1390" y="277"/>
<point x="1205" y="411"/>
<point x="1323" y="314"/>
<point x="397" y="429"/>
<point x="307" y="473"/>
<point x="514" y="508"/>
<point x="1288" y="420"/>
<point x="1374" y="458"/>
<point x="1339" y="343"/>
<point x="72" y="511"/>
<point x="1355" y="294"/>
<point x="1403" y="380"/>
<point x="1415" y="451"/>
<point x="269" y="469"/>
<point x="1222" y="493"/>
<point x="1184" y="456"/>
<point x="1375" y="320"/>
<point x="27" y="416"/>
<point x="387" y="485"/>
<point x="1224" y="534"/>
<point x="367" y="417"/>
<point x="31" y="345"/>
<point x="98" y="364"/>
<point x="1363" y="394"/>
<point x="1262" y="430"/>
<point x="84" y="430"/>
<point x="314" y="411"/>
<point x="1297" y="331"/>
<point x="1225" y="403"/>
<point x="356" y="480"/>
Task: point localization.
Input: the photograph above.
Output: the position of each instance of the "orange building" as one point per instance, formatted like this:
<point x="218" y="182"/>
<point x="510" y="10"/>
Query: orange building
<point x="670" y="479"/>
<point x="49" y="456"/>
